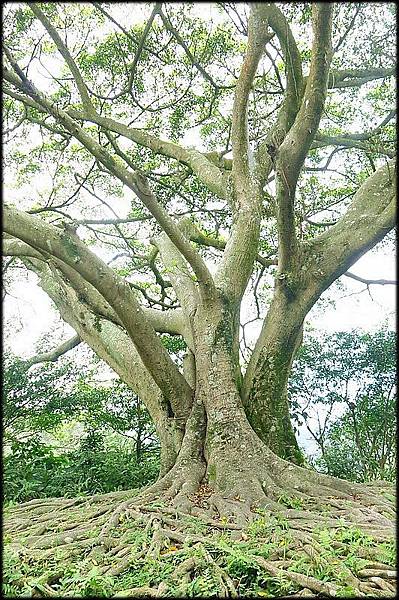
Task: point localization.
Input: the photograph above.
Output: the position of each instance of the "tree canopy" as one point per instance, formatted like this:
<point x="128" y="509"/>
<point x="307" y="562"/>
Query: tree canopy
<point x="162" y="125"/>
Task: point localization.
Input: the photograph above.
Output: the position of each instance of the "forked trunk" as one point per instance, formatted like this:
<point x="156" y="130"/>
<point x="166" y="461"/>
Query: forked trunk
<point x="238" y="417"/>
<point x="220" y="448"/>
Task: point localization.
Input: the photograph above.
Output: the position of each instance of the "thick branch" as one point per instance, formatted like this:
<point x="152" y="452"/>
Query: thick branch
<point x="368" y="219"/>
<point x="345" y="141"/>
<point x="206" y="170"/>
<point x="354" y="77"/>
<point x="349" y="137"/>
<point x="293" y="70"/>
<point x="357" y="77"/>
<point x="115" y="290"/>
<point x="205" y="279"/>
<point x="295" y="147"/>
<point x="355" y="140"/>
<point x="14" y="247"/>
<point x="66" y="55"/>
<point x="241" y="248"/>
<point x="54" y="355"/>
<point x="257" y="38"/>
<point x="297" y="143"/>
<point x="115" y="347"/>
<point x="166" y="321"/>
<point x="293" y="92"/>
<point x="179" y="274"/>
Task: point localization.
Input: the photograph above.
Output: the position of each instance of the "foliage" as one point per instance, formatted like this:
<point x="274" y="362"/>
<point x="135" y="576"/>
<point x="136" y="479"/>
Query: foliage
<point x="40" y="398"/>
<point x="361" y="444"/>
<point x="116" y="446"/>
<point x="171" y="96"/>
<point x="35" y="400"/>
<point x="343" y="389"/>
<point x="134" y="85"/>
<point x="35" y="470"/>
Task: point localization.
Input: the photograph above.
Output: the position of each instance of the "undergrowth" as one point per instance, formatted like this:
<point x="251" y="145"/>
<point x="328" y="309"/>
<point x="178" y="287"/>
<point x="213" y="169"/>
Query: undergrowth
<point x="35" y="470"/>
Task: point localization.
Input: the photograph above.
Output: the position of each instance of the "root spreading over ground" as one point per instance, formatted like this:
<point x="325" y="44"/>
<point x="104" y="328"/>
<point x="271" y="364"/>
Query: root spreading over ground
<point x="194" y="541"/>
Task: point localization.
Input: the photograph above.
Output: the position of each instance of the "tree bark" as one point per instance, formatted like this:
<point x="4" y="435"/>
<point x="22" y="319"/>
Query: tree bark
<point x="228" y="449"/>
<point x="220" y="451"/>
<point x="114" y="346"/>
<point x="220" y="448"/>
<point x="265" y="383"/>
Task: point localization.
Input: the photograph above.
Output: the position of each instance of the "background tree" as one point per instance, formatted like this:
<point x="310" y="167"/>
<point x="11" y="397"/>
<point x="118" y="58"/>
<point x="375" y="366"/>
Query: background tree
<point x="343" y="388"/>
<point x="271" y="98"/>
<point x="35" y="402"/>
<point x="66" y="433"/>
<point x="360" y="445"/>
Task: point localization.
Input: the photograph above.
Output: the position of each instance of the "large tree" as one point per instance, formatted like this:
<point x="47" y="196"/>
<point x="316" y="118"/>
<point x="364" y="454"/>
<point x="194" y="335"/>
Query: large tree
<point x="251" y="147"/>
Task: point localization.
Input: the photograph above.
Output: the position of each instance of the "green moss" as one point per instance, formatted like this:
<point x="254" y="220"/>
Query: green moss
<point x="70" y="247"/>
<point x="223" y="332"/>
<point x="97" y="324"/>
<point x="212" y="473"/>
<point x="289" y="284"/>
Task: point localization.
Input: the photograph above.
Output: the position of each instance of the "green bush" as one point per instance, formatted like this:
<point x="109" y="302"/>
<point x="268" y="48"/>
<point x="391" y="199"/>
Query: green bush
<point x="34" y="470"/>
<point x="29" y="471"/>
<point x="40" y="405"/>
<point x="343" y="389"/>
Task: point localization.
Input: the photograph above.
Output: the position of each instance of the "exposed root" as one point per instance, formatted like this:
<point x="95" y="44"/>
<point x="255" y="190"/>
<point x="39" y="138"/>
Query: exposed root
<point x="310" y="497"/>
<point x="296" y="517"/>
<point x="116" y="532"/>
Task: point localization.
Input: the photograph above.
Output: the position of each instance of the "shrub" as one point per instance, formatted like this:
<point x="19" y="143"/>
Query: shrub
<point x="34" y="470"/>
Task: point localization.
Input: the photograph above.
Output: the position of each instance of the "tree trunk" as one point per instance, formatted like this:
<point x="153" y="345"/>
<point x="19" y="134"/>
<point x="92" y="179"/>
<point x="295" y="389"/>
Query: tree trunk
<point x="224" y="466"/>
<point x="265" y="384"/>
<point x="234" y="454"/>
<point x="218" y="461"/>
<point x="223" y="471"/>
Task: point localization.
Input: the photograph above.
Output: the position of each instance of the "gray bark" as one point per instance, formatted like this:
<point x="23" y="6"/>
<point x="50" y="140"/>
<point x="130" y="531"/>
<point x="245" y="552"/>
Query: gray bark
<point x="114" y="346"/>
